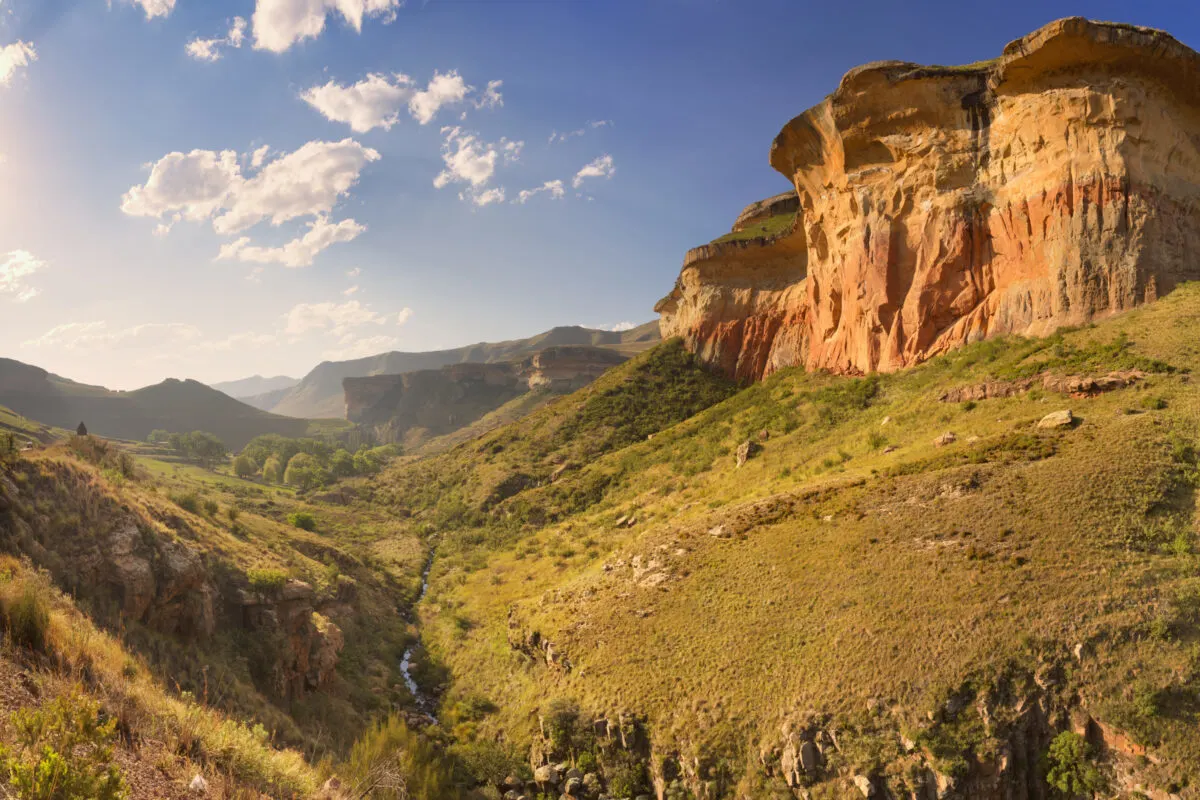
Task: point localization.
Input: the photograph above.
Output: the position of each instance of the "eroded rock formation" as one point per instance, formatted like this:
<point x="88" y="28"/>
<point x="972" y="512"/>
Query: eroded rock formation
<point x="937" y="206"/>
<point x="438" y="401"/>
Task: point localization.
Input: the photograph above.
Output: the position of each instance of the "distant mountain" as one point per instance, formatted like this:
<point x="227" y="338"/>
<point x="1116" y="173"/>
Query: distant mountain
<point x="267" y="400"/>
<point x="255" y="385"/>
<point x="173" y="405"/>
<point x="320" y="393"/>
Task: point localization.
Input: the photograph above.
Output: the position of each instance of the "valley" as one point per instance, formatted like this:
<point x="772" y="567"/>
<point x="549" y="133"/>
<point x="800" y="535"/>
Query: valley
<point x="897" y="499"/>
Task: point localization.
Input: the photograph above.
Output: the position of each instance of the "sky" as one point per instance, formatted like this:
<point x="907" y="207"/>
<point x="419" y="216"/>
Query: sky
<point x="212" y="189"/>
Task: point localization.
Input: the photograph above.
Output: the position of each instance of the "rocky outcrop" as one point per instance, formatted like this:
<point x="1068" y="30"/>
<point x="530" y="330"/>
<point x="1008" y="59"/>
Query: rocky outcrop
<point x="439" y="401"/>
<point x="310" y="642"/>
<point x="941" y="205"/>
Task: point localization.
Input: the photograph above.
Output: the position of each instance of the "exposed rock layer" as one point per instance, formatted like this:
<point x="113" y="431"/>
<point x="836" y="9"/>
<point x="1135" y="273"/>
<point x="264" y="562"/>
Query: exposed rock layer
<point x="439" y="401"/>
<point x="942" y="205"/>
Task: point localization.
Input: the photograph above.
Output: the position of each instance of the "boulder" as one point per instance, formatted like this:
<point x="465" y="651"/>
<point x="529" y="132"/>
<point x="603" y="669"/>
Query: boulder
<point x="949" y="437"/>
<point x="1057" y="419"/>
<point x="746" y="450"/>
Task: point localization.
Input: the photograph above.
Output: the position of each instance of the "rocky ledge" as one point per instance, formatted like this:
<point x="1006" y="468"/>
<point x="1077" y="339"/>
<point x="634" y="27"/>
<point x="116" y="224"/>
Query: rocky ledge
<point x="937" y="206"/>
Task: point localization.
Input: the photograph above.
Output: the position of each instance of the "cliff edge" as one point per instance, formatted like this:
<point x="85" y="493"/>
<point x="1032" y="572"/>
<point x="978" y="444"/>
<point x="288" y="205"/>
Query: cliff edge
<point x="936" y="206"/>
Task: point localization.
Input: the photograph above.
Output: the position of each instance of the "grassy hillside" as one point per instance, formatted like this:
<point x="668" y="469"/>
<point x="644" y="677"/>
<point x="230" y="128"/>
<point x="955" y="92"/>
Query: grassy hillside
<point x="173" y="405"/>
<point x="917" y="607"/>
<point x="319" y="394"/>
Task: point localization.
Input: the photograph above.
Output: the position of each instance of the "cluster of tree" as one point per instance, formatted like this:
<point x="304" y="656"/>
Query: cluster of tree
<point x="307" y="463"/>
<point x="197" y="445"/>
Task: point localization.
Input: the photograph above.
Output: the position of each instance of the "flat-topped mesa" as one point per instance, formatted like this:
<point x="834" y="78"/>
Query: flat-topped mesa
<point x="941" y="205"/>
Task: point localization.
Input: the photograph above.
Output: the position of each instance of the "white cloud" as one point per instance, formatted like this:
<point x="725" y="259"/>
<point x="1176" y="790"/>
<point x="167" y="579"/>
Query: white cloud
<point x="350" y="291"/>
<point x="443" y="90"/>
<point x="376" y="100"/>
<point x="601" y="167"/>
<point x="354" y="273"/>
<point x="373" y="102"/>
<point x="204" y="184"/>
<point x="259" y="156"/>
<point x="486" y="198"/>
<point x="470" y="160"/>
<point x="298" y="252"/>
<point x="210" y="49"/>
<point x="491" y="97"/>
<point x="339" y="319"/>
<point x="13" y="57"/>
<point x="155" y="8"/>
<point x="622" y="326"/>
<point x="237" y="342"/>
<point x="555" y="189"/>
<point x="354" y="347"/>
<point x="14" y="269"/>
<point x="278" y="24"/>
<point x="555" y="136"/>
<point x="93" y="336"/>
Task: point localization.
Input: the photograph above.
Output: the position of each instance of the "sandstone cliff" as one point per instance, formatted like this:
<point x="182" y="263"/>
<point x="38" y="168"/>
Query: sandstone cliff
<point x="434" y="402"/>
<point x="937" y="206"/>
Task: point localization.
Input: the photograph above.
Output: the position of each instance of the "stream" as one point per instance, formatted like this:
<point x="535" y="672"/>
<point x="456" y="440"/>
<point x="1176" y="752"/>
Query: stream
<point x="425" y="703"/>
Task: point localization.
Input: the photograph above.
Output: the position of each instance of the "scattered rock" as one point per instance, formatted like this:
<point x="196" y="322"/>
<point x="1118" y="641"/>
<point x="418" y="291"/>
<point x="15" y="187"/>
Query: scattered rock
<point x="949" y="437"/>
<point x="1057" y="419"/>
<point x="885" y="421"/>
<point x="891" y="448"/>
<point x="864" y="785"/>
<point x="199" y="786"/>
<point x="719" y="531"/>
<point x="746" y="450"/>
<point x="764" y="435"/>
<point x="547" y="773"/>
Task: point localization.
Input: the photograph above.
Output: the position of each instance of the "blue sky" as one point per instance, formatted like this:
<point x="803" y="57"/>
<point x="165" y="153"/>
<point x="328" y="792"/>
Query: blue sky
<point x="690" y="93"/>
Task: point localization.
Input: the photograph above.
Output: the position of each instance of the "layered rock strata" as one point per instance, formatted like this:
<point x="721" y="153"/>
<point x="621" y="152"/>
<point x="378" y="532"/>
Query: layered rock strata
<point x="937" y="206"/>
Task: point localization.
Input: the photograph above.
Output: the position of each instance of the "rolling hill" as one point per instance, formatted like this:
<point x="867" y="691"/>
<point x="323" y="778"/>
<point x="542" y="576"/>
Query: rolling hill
<point x="319" y="393"/>
<point x="173" y="405"/>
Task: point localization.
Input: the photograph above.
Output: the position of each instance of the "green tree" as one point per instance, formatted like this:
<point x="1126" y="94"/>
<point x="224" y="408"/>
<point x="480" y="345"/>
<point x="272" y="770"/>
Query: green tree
<point x="1071" y="767"/>
<point x="244" y="466"/>
<point x="63" y="751"/>
<point x="272" y="470"/>
<point x="304" y="472"/>
<point x="158" y="436"/>
<point x="341" y="465"/>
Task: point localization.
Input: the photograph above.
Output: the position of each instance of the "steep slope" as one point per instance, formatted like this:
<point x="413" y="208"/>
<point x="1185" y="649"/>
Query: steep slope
<point x="903" y="585"/>
<point x="254" y="385"/>
<point x="938" y="206"/>
<point x="319" y="394"/>
<point x="173" y="405"/>
<point x="415" y="407"/>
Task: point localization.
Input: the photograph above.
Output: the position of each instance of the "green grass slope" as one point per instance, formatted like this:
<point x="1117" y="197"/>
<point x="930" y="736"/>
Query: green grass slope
<point x="929" y="610"/>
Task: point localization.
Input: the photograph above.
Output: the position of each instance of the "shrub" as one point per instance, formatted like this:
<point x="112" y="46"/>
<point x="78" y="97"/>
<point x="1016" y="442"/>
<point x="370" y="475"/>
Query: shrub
<point x="303" y="520"/>
<point x="63" y="751"/>
<point x="390" y="762"/>
<point x="28" y="618"/>
<point x="211" y="507"/>
<point x="1154" y="403"/>
<point x="1070" y="766"/>
<point x="188" y="501"/>
<point x="266" y="579"/>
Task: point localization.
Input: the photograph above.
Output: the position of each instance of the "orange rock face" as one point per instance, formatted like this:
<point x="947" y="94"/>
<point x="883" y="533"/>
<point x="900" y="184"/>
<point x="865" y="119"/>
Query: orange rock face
<point x="941" y="205"/>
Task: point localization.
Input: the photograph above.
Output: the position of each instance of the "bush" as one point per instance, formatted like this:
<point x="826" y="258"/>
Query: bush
<point x="303" y="520"/>
<point x="391" y="762"/>
<point x="188" y="501"/>
<point x="266" y="579"/>
<point x="211" y="507"/>
<point x="63" y="751"/>
<point x="28" y="618"/>
<point x="1070" y="766"/>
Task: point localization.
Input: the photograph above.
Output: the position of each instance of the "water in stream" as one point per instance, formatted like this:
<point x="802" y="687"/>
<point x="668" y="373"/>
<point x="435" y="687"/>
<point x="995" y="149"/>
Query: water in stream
<point x="424" y="702"/>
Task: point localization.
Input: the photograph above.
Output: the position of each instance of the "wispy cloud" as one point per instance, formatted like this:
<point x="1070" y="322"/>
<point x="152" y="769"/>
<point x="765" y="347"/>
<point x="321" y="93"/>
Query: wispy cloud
<point x="210" y="49"/>
<point x="602" y="167"/>
<point x="555" y="136"/>
<point x="14" y="57"/>
<point x="15" y="269"/>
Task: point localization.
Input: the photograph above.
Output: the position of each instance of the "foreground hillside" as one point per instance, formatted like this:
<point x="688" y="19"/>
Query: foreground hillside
<point x="934" y="582"/>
